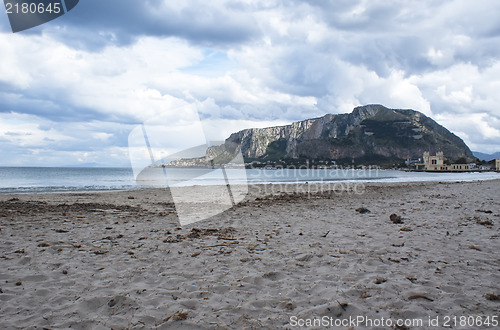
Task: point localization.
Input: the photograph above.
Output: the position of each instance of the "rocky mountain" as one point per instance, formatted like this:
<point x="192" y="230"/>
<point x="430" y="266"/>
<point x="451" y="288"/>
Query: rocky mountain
<point x="486" y="157"/>
<point x="370" y="134"/>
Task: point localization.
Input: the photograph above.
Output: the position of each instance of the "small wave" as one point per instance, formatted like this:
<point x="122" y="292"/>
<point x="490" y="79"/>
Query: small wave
<point x="58" y="189"/>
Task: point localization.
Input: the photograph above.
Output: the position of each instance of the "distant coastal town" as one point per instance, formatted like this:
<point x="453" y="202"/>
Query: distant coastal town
<point x="428" y="163"/>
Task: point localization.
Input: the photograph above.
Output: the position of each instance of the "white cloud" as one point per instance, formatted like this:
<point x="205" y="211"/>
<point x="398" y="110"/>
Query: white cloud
<point x="480" y="131"/>
<point x="24" y="131"/>
<point x="32" y="140"/>
<point x="113" y="82"/>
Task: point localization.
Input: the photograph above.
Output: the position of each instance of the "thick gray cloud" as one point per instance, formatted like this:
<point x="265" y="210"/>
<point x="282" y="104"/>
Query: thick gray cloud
<point x="98" y="23"/>
<point x="117" y="63"/>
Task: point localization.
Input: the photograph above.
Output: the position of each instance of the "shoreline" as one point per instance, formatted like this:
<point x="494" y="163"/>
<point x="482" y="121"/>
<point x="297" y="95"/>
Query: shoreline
<point x="361" y="179"/>
<point x="120" y="259"/>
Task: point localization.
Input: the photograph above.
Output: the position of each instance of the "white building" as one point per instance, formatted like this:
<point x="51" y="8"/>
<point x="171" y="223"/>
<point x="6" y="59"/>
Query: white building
<point x="436" y="164"/>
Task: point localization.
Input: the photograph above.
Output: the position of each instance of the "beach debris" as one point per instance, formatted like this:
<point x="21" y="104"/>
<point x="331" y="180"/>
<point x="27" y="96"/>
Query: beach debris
<point x="288" y="305"/>
<point x="19" y="251"/>
<point x="342" y="304"/>
<point x="171" y="239"/>
<point x="1" y="291"/>
<point x="419" y="296"/>
<point x="365" y="295"/>
<point x="195" y="233"/>
<point x="131" y="197"/>
<point x="395" y="218"/>
<point x="44" y="244"/>
<point x="209" y="231"/>
<point x="380" y="280"/>
<point x="399" y="245"/>
<point x="99" y="252"/>
<point x="306" y="257"/>
<point x="405" y="228"/>
<point x="473" y="247"/>
<point x="222" y="233"/>
<point x="271" y="275"/>
<point x="362" y="210"/>
<point x="250" y="259"/>
<point x="41" y="207"/>
<point x="492" y="297"/>
<point x="328" y="232"/>
<point x="393" y="260"/>
<point x="485" y="211"/>
<point x="487" y="222"/>
<point x="18" y="283"/>
<point x="412" y="279"/>
<point x="197" y="253"/>
<point x="343" y="251"/>
<point x="61" y="230"/>
<point x="177" y="316"/>
<point x="223" y="237"/>
<point x="222" y="244"/>
<point x="65" y="272"/>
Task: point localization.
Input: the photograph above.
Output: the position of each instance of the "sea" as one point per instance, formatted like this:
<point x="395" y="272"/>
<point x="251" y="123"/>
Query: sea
<point x="77" y="179"/>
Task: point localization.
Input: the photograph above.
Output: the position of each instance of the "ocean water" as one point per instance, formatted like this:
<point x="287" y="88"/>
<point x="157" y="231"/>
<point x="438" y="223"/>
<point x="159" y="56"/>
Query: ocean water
<point x="60" y="179"/>
<point x="51" y="179"/>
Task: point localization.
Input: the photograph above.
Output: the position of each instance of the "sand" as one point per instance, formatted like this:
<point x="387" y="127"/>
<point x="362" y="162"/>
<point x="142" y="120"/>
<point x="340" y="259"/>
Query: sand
<point x="121" y="260"/>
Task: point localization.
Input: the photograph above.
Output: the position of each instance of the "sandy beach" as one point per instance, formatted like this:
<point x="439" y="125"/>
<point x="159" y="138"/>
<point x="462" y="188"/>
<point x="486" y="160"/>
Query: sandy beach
<point x="285" y="256"/>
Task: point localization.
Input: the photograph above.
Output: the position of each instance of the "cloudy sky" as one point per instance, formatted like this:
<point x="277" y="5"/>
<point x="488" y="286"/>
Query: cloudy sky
<point x="73" y="89"/>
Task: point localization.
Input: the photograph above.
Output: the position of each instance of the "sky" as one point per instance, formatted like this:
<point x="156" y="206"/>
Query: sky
<point x="72" y="90"/>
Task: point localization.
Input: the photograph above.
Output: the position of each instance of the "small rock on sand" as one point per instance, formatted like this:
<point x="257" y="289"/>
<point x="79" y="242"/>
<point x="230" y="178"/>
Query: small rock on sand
<point x="362" y="210"/>
<point x="395" y="218"/>
<point x="492" y="296"/>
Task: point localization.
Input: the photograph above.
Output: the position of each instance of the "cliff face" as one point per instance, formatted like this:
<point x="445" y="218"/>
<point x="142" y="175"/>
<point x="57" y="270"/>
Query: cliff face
<point x="369" y="132"/>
